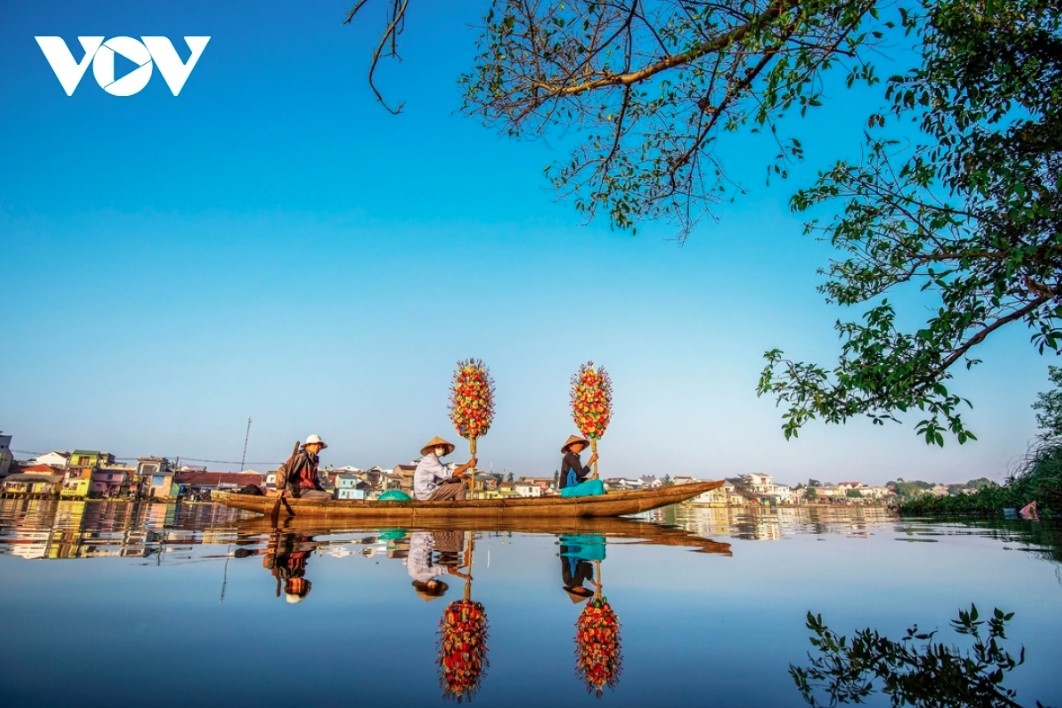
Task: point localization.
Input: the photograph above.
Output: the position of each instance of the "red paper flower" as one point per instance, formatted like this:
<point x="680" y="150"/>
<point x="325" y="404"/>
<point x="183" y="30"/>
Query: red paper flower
<point x="462" y="649"/>
<point x="598" y="660"/>
<point x="591" y="400"/>
<point x="472" y="399"/>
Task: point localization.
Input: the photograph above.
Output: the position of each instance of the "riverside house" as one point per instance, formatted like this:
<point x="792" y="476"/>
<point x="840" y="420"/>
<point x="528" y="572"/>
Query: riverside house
<point x="155" y="479"/>
<point x="32" y="481"/>
<point x="79" y="469"/>
<point x="109" y="481"/>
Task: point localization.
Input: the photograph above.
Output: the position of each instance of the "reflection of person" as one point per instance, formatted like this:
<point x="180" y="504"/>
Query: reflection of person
<point x="431" y="554"/>
<point x="286" y="557"/>
<point x="302" y="477"/>
<point x="576" y="554"/>
<point x="432" y="481"/>
<point x="575" y="479"/>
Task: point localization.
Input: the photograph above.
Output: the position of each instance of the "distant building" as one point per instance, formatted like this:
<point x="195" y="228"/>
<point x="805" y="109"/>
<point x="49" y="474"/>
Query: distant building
<point x="34" y="481"/>
<point x="78" y="478"/>
<point x="6" y="456"/>
<point x="204" y="482"/>
<point x="720" y="496"/>
<point x="525" y="486"/>
<point x="154" y="478"/>
<point x="763" y="488"/>
<point x="57" y="460"/>
<point x="527" y="489"/>
<point x="403" y="474"/>
<point x="347" y="486"/>
<point x="621" y="483"/>
<point x="109" y="482"/>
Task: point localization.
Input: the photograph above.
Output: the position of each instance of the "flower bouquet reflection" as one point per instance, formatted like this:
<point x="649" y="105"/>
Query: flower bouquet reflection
<point x="598" y="660"/>
<point x="463" y="644"/>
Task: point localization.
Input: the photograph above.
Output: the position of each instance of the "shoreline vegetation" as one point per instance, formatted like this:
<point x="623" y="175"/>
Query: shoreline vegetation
<point x="1038" y="479"/>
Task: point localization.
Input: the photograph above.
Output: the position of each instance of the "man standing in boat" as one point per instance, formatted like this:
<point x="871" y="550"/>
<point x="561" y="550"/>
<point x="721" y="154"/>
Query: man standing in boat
<point x="302" y="477"/>
<point x="432" y="481"/>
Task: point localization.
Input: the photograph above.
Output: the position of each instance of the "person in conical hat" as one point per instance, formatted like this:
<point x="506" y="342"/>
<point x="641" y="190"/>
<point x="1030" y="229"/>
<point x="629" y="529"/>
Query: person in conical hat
<point x="576" y="479"/>
<point x="432" y="480"/>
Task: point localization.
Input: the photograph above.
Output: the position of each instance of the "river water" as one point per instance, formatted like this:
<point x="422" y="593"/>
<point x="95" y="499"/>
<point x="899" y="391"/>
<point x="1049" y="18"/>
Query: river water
<point x="120" y="604"/>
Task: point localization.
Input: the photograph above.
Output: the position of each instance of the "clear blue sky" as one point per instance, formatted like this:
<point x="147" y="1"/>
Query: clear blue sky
<point x="272" y="243"/>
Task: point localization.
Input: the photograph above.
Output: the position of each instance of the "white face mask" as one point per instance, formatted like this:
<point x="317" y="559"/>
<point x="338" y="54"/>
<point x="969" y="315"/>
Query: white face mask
<point x="440" y="451"/>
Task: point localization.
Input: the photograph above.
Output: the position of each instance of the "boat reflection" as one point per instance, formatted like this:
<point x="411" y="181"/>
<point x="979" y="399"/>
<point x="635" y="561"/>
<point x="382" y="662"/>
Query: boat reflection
<point x="622" y="529"/>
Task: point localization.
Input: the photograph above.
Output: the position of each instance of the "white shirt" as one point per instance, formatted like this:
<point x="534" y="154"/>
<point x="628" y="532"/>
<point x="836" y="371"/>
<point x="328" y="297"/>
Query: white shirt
<point x="428" y="475"/>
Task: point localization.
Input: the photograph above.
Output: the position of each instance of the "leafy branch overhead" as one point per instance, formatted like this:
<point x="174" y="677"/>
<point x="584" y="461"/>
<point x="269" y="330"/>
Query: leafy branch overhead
<point x="966" y="213"/>
<point x="971" y="216"/>
<point x="648" y="87"/>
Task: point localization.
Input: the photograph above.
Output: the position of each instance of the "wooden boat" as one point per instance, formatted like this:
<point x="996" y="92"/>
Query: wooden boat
<point x="621" y="530"/>
<point x="551" y="507"/>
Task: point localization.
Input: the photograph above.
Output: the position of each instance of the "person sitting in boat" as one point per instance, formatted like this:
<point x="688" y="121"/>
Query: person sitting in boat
<point x="575" y="479"/>
<point x="302" y="477"/>
<point x="424" y="565"/>
<point x="432" y="481"/>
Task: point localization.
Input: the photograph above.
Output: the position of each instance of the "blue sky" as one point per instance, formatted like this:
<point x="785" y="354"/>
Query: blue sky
<point x="272" y="243"/>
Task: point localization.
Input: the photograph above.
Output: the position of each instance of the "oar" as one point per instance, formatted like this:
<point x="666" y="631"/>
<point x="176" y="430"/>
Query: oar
<point x="275" y="516"/>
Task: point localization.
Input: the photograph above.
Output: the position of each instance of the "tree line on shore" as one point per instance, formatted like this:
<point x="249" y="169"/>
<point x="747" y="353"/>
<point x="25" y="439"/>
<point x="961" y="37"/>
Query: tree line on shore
<point x="1037" y="477"/>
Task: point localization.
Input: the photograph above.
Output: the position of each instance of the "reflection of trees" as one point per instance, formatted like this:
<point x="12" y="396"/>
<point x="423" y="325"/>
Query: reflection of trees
<point x="933" y="674"/>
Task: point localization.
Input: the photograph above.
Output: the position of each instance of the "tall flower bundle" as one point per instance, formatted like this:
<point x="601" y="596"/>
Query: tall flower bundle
<point x="462" y="649"/>
<point x="472" y="400"/>
<point x="591" y="400"/>
<point x="598" y="660"/>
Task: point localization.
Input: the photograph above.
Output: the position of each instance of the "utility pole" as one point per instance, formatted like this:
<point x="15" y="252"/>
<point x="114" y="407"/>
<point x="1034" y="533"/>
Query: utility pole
<point x="245" y="439"/>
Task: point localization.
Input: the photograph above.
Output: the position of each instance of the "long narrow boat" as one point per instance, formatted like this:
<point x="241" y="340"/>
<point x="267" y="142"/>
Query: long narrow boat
<point x="551" y="507"/>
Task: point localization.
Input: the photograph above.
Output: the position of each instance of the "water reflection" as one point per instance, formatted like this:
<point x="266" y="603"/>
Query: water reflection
<point x="739" y="627"/>
<point x="598" y="660"/>
<point x="463" y="628"/>
<point x="772" y="524"/>
<point x="47" y="528"/>
<point x="285" y="557"/>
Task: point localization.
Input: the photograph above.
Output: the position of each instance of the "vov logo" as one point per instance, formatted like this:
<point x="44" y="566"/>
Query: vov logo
<point x="143" y="53"/>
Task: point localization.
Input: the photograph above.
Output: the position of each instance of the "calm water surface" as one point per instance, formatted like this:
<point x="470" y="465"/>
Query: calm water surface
<point x="116" y="604"/>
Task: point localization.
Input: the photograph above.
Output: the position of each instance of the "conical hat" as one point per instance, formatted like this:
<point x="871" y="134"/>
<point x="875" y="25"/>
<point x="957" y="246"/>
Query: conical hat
<point x="578" y="593"/>
<point x="435" y="442"/>
<point x="573" y="439"/>
<point x="427" y="593"/>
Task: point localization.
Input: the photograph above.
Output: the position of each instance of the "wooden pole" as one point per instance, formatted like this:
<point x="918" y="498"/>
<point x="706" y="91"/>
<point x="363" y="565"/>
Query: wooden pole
<point x="471" y="551"/>
<point x="472" y="477"/>
<point x="275" y="515"/>
<point x="593" y="450"/>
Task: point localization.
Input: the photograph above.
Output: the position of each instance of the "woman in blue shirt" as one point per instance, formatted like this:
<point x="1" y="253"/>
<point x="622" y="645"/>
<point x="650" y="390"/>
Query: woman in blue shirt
<point x="575" y="479"/>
